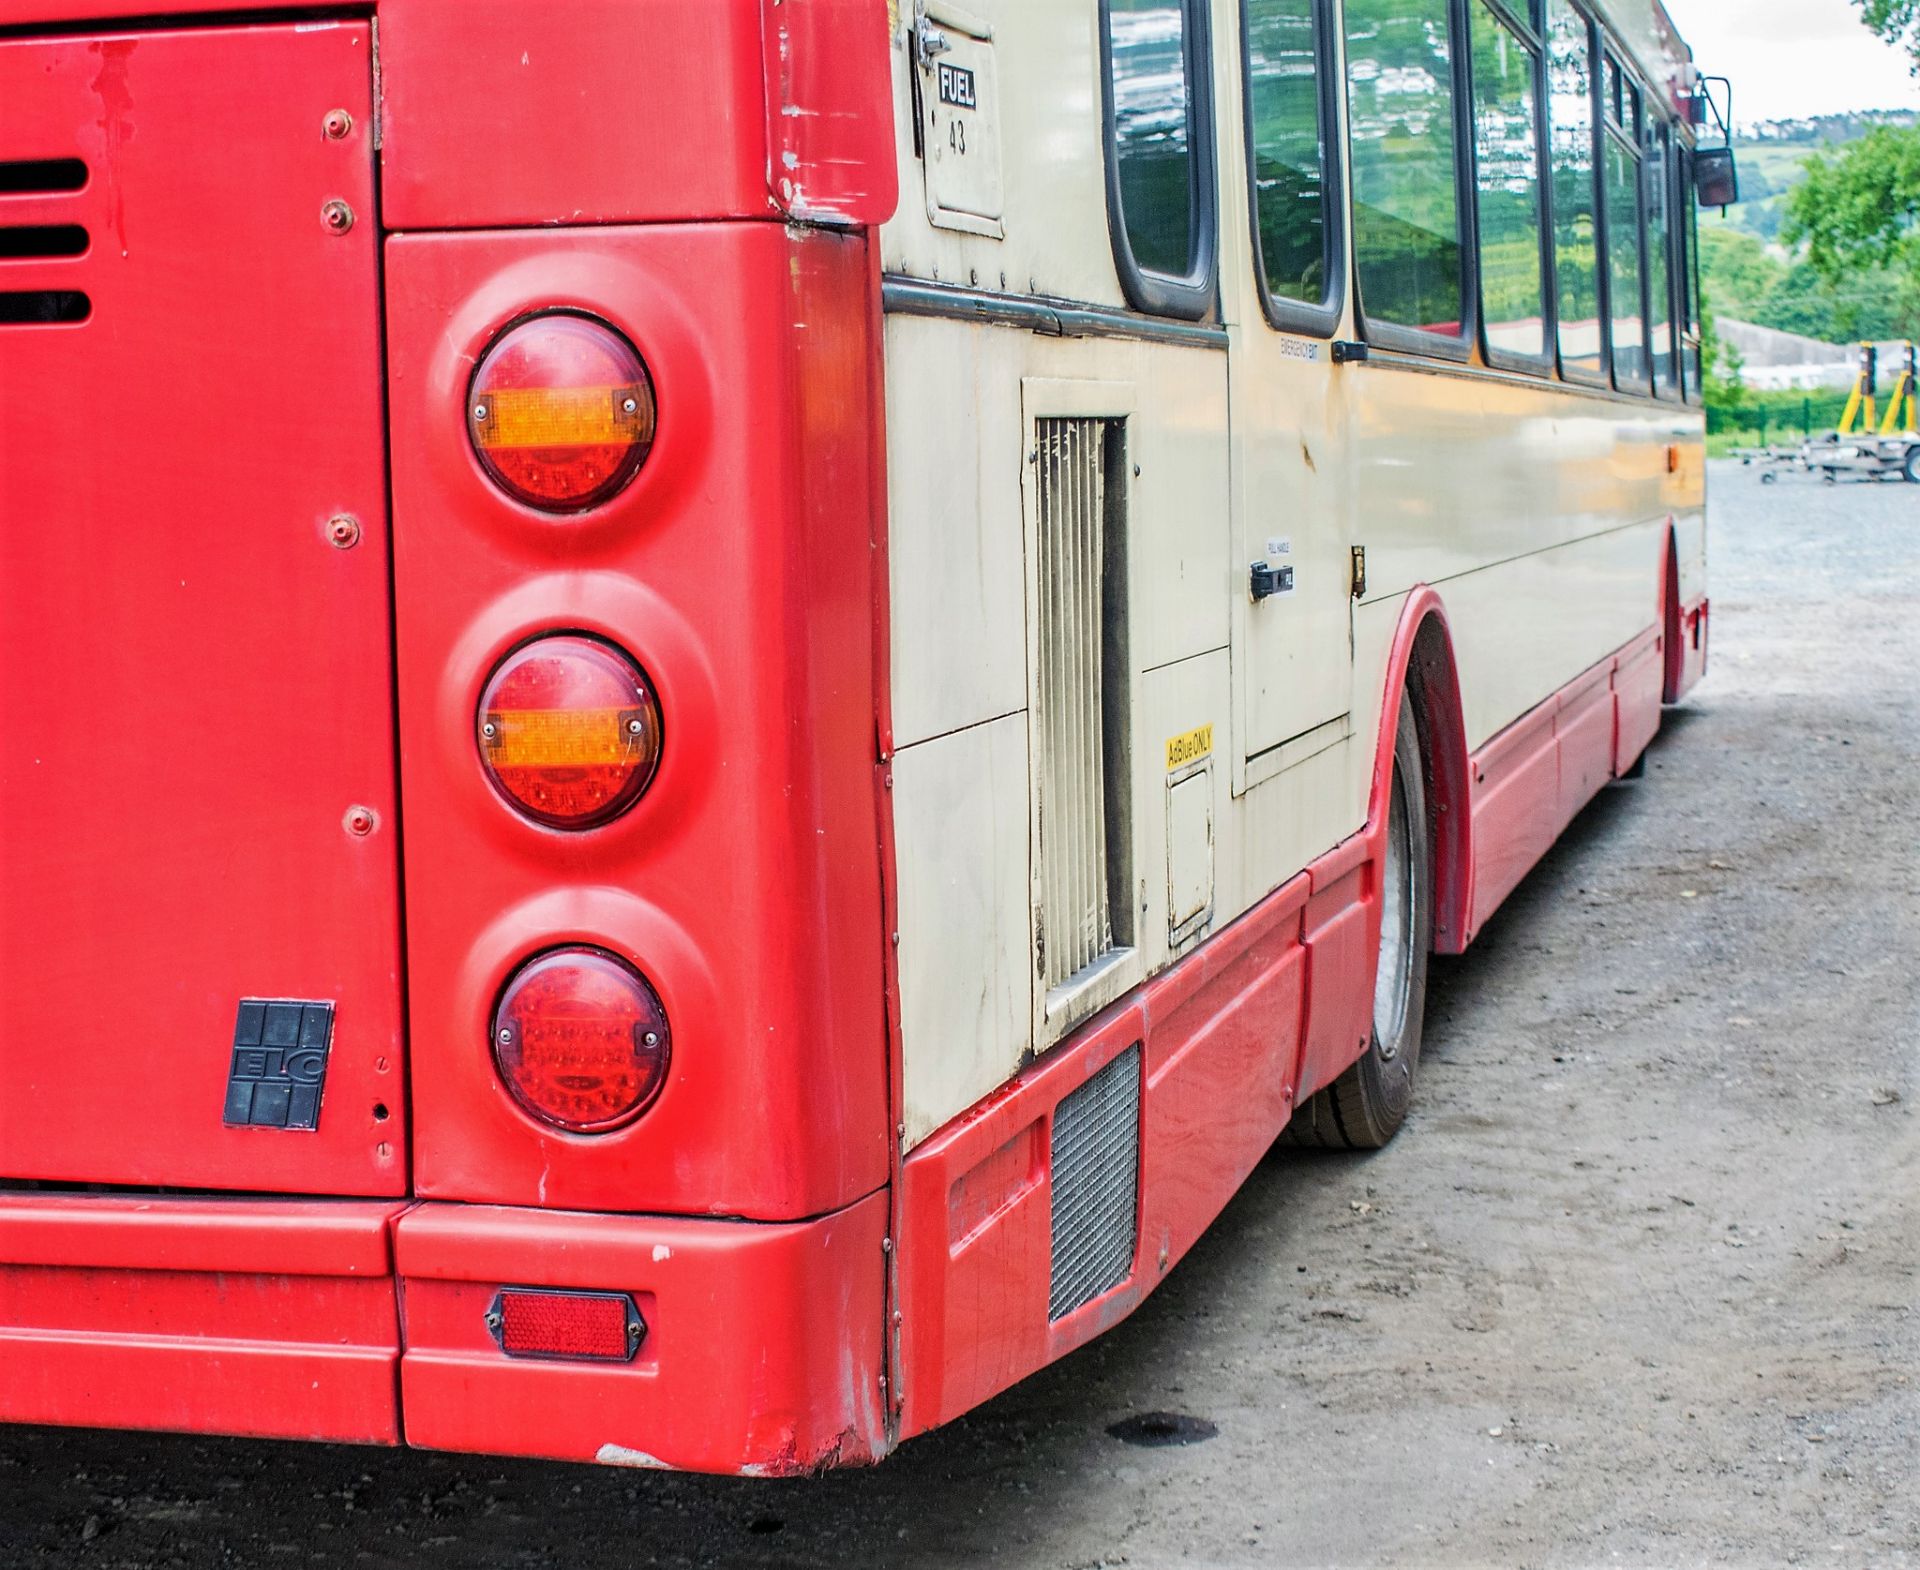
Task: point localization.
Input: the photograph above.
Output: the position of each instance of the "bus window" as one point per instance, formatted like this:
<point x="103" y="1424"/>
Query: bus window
<point x="1294" y="231"/>
<point x="1659" y="161"/>
<point x="1625" y="247"/>
<point x="1406" y="198"/>
<point x="1575" y="238"/>
<point x="1160" y="173"/>
<point x="1507" y="147"/>
<point x="1690" y="283"/>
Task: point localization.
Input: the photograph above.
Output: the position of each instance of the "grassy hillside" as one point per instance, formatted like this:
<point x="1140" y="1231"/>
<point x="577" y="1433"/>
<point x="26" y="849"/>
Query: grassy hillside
<point x="1772" y="151"/>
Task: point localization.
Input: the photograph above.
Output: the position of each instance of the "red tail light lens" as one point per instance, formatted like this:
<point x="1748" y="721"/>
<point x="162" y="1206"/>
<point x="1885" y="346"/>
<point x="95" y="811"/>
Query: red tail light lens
<point x="570" y="731"/>
<point x="561" y="412"/>
<point x="581" y="1040"/>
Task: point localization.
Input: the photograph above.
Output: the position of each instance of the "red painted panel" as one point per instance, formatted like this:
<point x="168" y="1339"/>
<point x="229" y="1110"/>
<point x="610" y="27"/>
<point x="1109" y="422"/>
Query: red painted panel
<point x="763" y="1351"/>
<point x="267" y="1319"/>
<point x="1584" y="736"/>
<point x="199" y="684"/>
<point x="737" y="569"/>
<point x="1532" y="779"/>
<point x="1516" y="808"/>
<point x="1223" y="1088"/>
<point x="16" y="13"/>
<point x="268" y="1237"/>
<point x="1343" y="943"/>
<point x="505" y="113"/>
<point x="1221" y="1030"/>
<point x="1636" y="687"/>
<point x="829" y="75"/>
<point x="502" y="113"/>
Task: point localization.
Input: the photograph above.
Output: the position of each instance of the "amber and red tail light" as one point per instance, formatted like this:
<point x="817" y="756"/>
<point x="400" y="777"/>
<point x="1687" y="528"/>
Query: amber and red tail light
<point x="570" y="731"/>
<point x="562" y="412"/>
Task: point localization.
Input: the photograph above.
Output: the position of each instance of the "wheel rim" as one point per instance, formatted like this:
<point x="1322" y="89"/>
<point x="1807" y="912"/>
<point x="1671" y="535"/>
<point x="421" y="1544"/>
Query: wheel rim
<point x="1395" y="974"/>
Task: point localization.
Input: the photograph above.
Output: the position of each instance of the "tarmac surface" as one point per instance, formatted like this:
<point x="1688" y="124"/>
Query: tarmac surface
<point x="1636" y="1286"/>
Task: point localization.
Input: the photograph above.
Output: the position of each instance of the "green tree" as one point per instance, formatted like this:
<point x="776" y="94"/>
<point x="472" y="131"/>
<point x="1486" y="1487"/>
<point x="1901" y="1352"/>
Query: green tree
<point x="1897" y="21"/>
<point x="1737" y="271"/>
<point x="1857" y="209"/>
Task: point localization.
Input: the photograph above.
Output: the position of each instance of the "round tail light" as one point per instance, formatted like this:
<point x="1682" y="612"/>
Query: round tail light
<point x="570" y="731"/>
<point x="561" y="412"/>
<point x="581" y="1040"/>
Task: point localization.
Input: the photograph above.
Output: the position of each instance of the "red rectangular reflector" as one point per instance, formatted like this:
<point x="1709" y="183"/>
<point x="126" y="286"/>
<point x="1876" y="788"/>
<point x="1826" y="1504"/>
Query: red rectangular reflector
<point x="602" y="1327"/>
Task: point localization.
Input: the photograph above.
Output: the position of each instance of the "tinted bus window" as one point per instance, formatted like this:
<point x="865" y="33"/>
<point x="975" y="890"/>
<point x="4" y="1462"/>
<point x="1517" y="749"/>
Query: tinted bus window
<point x="1690" y="274"/>
<point x="1406" y="203"/>
<point x="1623" y="266"/>
<point x="1575" y="235"/>
<point x="1660" y="324"/>
<point x="1507" y="144"/>
<point x="1289" y="149"/>
<point x="1153" y="134"/>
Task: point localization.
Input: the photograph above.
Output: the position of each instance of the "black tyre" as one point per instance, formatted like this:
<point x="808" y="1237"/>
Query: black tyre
<point x="1911" y="467"/>
<point x="1365" y="1106"/>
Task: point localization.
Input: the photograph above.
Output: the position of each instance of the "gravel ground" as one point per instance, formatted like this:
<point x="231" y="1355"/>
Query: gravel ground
<point x="1636" y="1287"/>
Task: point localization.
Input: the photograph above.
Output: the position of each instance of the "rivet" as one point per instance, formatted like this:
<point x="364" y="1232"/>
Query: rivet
<point x="338" y="125"/>
<point x="490" y="730"/>
<point x="635" y="727"/>
<point x="337" y="216"/>
<point x="344" y="532"/>
<point x="360" y="821"/>
<point x="652" y="1038"/>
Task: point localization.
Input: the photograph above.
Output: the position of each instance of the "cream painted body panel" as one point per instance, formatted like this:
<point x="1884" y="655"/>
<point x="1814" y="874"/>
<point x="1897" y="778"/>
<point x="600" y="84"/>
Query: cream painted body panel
<point x="1540" y="514"/>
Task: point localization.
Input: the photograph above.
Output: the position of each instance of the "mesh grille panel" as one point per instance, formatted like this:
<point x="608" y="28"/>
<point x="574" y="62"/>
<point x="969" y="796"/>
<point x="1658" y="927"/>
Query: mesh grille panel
<point x="1096" y="1180"/>
<point x="1076" y="921"/>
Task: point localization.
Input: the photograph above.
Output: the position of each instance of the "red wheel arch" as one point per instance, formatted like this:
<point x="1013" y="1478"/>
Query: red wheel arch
<point x="1673" y="641"/>
<point x="1422" y="665"/>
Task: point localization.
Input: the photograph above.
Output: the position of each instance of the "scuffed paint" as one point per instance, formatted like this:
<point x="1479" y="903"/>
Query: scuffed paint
<point x="830" y="157"/>
<point x="621" y="1455"/>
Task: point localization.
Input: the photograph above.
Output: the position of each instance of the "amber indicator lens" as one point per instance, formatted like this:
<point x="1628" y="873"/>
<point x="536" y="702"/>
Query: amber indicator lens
<point x="600" y="1327"/>
<point x="570" y="731"/>
<point x="581" y="1040"/>
<point x="561" y="412"/>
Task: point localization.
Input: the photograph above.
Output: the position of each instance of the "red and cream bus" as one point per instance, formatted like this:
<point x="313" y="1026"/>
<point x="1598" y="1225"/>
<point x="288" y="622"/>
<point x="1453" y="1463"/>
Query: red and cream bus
<point x="712" y="707"/>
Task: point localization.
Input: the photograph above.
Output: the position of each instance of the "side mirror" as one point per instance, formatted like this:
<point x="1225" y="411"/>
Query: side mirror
<point x="1716" y="177"/>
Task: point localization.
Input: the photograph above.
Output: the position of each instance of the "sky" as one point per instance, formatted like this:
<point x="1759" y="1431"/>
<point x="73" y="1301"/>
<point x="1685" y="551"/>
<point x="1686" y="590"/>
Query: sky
<point x="1791" y="58"/>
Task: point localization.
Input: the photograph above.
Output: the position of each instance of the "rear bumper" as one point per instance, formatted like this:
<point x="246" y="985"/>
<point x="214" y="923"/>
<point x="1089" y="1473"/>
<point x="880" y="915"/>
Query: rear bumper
<point x="366" y="1323"/>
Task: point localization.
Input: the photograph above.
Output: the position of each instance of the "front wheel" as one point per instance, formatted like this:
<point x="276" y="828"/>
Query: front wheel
<point x="1365" y="1106"/>
<point x="1911" y="466"/>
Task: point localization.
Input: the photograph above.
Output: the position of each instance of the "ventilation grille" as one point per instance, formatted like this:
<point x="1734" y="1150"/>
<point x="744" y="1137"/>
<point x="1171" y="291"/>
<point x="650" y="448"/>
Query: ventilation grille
<point x="42" y="242"/>
<point x="1096" y="1183"/>
<point x="1075" y="460"/>
<point x="38" y="176"/>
